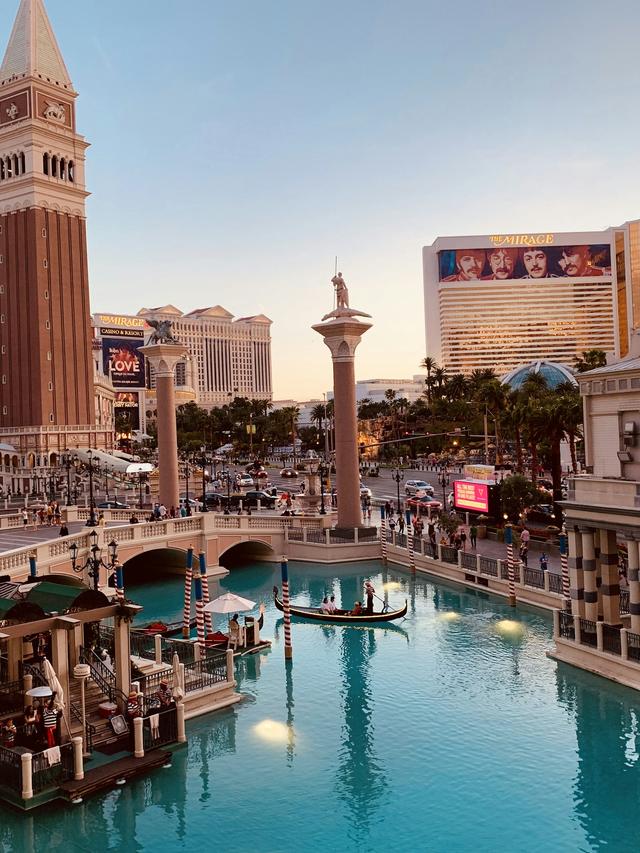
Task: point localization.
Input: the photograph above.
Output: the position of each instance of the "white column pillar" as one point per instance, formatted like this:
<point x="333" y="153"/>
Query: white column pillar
<point x="182" y="731"/>
<point x="27" y="781"/>
<point x="78" y="762"/>
<point x="138" y="737"/>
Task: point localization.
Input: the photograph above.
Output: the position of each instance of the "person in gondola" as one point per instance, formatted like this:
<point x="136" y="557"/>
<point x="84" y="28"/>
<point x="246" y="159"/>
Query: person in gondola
<point x="357" y="609"/>
<point x="369" y="592"/>
<point x="324" y="607"/>
<point x="331" y="606"/>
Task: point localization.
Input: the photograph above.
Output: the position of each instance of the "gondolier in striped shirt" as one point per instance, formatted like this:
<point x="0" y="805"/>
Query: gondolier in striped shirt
<point x="50" y="717"/>
<point x="369" y="591"/>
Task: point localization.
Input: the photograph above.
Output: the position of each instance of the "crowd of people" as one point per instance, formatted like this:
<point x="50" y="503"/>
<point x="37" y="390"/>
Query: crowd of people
<point x="37" y="729"/>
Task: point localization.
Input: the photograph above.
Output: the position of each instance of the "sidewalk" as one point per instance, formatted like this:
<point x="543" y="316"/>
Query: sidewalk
<point x="498" y="550"/>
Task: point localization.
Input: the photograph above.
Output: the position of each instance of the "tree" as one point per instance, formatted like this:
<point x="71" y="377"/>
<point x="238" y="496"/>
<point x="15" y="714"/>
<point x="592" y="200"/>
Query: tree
<point x="429" y="364"/>
<point x="590" y="360"/>
<point x="517" y="494"/>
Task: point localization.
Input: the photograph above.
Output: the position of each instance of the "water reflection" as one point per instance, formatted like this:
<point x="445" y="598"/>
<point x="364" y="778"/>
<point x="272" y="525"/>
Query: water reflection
<point x="360" y="777"/>
<point x="606" y="787"/>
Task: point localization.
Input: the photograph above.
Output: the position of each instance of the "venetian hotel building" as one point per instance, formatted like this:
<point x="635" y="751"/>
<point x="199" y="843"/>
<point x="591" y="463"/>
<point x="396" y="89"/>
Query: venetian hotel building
<point x="498" y="301"/>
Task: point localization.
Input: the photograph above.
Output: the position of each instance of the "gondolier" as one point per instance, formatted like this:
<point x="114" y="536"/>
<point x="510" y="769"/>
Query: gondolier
<point x="369" y="591"/>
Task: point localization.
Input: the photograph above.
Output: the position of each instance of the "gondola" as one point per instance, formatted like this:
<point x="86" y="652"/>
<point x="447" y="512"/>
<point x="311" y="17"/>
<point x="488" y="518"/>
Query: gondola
<point x="173" y="629"/>
<point x="341" y="617"/>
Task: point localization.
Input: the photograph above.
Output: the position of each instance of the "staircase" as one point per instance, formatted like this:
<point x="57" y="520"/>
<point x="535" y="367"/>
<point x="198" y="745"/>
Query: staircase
<point x="102" y="732"/>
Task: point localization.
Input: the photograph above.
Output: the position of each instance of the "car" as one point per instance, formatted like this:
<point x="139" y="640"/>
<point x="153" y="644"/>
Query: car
<point x="214" y="500"/>
<point x="266" y="500"/>
<point x="412" y="487"/>
<point x="193" y="503"/>
<point x="424" y="504"/>
<point x="289" y="472"/>
<point x="245" y="481"/>
<point x="542" y="515"/>
<point x="112" y="504"/>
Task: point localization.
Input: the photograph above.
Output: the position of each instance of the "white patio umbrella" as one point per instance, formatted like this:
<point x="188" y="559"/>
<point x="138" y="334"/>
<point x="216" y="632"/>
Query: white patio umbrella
<point x="229" y="603"/>
<point x="52" y="680"/>
<point x="177" y="687"/>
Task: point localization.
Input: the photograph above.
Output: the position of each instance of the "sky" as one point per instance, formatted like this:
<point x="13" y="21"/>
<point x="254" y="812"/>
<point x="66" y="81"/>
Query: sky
<point x="238" y="147"/>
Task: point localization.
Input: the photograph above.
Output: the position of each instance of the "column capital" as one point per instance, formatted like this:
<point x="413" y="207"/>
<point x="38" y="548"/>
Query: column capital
<point x="164" y="357"/>
<point x="342" y="336"/>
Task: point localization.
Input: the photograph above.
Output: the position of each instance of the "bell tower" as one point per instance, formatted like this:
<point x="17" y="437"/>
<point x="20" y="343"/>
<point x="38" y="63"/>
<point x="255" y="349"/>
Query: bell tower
<point x="46" y="365"/>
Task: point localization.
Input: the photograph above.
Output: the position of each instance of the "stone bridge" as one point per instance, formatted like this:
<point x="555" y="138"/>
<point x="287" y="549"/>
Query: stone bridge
<point x="218" y="536"/>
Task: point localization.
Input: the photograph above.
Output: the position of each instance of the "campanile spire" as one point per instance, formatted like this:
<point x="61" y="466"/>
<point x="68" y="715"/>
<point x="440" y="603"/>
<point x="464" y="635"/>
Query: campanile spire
<point x="33" y="50"/>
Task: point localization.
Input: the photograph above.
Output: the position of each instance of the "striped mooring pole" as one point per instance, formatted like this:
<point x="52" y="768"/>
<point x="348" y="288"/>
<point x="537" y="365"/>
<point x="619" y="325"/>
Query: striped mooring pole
<point x="186" y="613"/>
<point x="383" y="535"/>
<point x="205" y="591"/>
<point x="508" y="538"/>
<point x="410" y="542"/>
<point x="197" y="583"/>
<point x="564" y="564"/>
<point x="286" y="607"/>
<point x="120" y="582"/>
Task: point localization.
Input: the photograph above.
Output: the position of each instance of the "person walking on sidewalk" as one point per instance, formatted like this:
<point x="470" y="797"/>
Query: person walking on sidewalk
<point x="473" y="535"/>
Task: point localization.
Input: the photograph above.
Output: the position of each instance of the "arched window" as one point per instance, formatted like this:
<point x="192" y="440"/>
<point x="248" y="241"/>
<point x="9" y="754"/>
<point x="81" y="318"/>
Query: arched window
<point x="7" y="164"/>
<point x="3" y="174"/>
<point x="54" y="166"/>
<point x="45" y="163"/>
<point x="70" y="171"/>
<point x="23" y="163"/>
<point x="15" y="164"/>
<point x="63" y="167"/>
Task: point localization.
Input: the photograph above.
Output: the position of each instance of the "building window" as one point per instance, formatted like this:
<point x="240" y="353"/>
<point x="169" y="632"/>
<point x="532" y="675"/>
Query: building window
<point x="47" y="324"/>
<point x="54" y="166"/>
<point x="45" y="264"/>
<point x="1" y="289"/>
<point x="1" y="318"/>
<point x="622" y="384"/>
<point x="4" y="410"/>
<point x="48" y="355"/>
<point x="23" y="163"/>
<point x="46" y="294"/>
<point x="44" y="232"/>
<point x="4" y="349"/>
<point x="51" y="386"/>
<point x="611" y="384"/>
<point x="51" y="418"/>
<point x="45" y="164"/>
<point x="635" y="383"/>
<point x="4" y="378"/>
<point x="70" y="171"/>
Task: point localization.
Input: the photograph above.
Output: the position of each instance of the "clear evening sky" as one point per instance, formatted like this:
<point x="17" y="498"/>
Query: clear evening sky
<point x="238" y="146"/>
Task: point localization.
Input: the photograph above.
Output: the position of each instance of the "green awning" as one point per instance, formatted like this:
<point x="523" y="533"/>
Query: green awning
<point x="54" y="597"/>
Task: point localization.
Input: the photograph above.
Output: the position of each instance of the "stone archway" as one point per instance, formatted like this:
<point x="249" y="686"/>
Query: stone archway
<point x="157" y="564"/>
<point x="250" y="551"/>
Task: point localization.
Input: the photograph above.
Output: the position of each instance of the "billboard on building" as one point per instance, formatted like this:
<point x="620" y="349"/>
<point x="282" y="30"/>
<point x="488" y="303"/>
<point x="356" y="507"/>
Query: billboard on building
<point x="127" y="411"/>
<point x="121" y="356"/>
<point x="471" y="496"/>
<point x="508" y="259"/>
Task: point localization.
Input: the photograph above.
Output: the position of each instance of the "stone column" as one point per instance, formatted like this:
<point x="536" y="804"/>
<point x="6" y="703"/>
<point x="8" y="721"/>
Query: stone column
<point x="122" y="655"/>
<point x="576" y="579"/>
<point x="163" y="358"/>
<point x="589" y="572"/>
<point x="342" y="335"/>
<point x="60" y="656"/>
<point x="634" y="584"/>
<point x="610" y="588"/>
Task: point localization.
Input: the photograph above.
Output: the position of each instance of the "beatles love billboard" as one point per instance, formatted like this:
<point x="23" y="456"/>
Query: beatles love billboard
<point x="121" y="358"/>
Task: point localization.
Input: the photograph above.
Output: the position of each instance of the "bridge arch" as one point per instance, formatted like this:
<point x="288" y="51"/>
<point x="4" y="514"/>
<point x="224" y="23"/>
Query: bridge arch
<point x="155" y="564"/>
<point x="249" y="551"/>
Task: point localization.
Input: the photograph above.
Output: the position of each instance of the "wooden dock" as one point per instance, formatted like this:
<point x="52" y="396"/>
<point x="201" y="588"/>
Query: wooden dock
<point x="107" y="775"/>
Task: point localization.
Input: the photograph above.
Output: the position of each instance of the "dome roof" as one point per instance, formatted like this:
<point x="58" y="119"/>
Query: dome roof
<point x="555" y="374"/>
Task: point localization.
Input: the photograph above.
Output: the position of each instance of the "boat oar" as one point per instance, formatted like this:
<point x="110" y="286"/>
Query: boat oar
<point x="383" y="602"/>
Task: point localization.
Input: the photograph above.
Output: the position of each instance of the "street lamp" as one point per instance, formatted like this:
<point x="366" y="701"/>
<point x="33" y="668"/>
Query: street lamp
<point x="443" y="480"/>
<point x="94" y="561"/>
<point x="68" y="461"/>
<point x="204" y="461"/>
<point x="93" y="466"/>
<point x="186" y="486"/>
<point x="322" y="470"/>
<point x="398" y="476"/>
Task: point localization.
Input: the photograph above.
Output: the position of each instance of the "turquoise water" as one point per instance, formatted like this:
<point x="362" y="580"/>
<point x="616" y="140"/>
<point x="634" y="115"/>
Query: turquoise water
<point x="450" y="731"/>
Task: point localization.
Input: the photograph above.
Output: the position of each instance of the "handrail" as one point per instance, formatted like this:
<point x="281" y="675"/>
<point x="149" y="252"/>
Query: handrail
<point x="90" y="730"/>
<point x="114" y="693"/>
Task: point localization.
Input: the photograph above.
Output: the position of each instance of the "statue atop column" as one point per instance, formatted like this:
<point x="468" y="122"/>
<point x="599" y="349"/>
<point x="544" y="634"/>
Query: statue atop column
<point x="342" y="301"/>
<point x="163" y="333"/>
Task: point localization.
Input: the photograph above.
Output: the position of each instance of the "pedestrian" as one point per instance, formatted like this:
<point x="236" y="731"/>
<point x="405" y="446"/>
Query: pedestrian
<point x="101" y="520"/>
<point x="525" y="536"/>
<point x="524" y="554"/>
<point x="392" y="524"/>
<point x="463" y="539"/>
<point x="64" y="530"/>
<point x="387" y="509"/>
<point x="473" y="535"/>
<point x="50" y="716"/>
<point x="401" y="524"/>
<point x="25" y="519"/>
<point x="544" y="564"/>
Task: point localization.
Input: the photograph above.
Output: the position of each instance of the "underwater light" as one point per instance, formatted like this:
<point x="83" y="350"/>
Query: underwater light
<point x="509" y="627"/>
<point x="273" y="731"/>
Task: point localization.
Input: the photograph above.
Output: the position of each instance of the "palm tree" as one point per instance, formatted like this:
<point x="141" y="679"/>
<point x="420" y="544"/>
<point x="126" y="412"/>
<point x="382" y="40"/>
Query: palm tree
<point x="457" y="387"/>
<point x="590" y="360"/>
<point x="534" y="390"/>
<point x="429" y="364"/>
